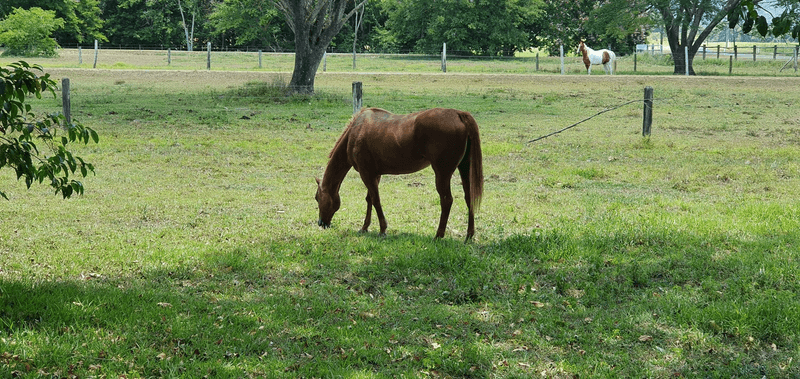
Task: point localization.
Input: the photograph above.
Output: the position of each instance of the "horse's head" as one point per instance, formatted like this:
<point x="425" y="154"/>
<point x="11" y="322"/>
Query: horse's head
<point x="328" y="205"/>
<point x="581" y="48"/>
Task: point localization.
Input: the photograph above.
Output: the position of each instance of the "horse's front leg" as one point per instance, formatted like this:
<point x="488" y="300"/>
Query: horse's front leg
<point x="446" y="199"/>
<point x="373" y="200"/>
<point x="368" y="217"/>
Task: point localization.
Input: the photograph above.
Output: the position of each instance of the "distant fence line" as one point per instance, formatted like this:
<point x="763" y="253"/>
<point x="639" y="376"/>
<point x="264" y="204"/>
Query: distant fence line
<point x="754" y="52"/>
<point x="745" y="51"/>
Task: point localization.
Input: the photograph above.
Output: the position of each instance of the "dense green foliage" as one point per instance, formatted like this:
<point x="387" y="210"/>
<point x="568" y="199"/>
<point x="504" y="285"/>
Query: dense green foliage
<point x="21" y="130"/>
<point x="29" y="32"/>
<point x="83" y="20"/>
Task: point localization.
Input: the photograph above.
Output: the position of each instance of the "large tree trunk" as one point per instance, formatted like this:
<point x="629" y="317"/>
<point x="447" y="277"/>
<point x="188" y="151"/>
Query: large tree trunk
<point x="315" y="23"/>
<point x="306" y="63"/>
<point x="682" y="24"/>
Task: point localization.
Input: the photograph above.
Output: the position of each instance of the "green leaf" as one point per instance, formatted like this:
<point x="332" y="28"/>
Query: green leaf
<point x="762" y="26"/>
<point x="733" y="19"/>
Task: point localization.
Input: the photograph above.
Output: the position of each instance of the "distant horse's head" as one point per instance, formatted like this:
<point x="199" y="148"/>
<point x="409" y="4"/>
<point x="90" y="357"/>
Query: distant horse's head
<point x="328" y="205"/>
<point x="581" y="48"/>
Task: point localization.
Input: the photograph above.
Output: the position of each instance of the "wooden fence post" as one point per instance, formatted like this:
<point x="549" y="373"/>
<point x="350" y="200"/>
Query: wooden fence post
<point x="717" y="51"/>
<point x="96" y="47"/>
<point x="704" y="52"/>
<point x="754" y="53"/>
<point x="208" y="60"/>
<point x="357" y="97"/>
<point x="730" y="65"/>
<point x="169" y="56"/>
<point x="259" y="59"/>
<point x="796" y="48"/>
<point x="325" y="61"/>
<point x="444" y="56"/>
<point x="775" y="52"/>
<point x="647" y="120"/>
<point x="537" y="61"/>
<point x="561" y="53"/>
<point x="65" y="101"/>
<point x="735" y="52"/>
<point x="80" y="55"/>
<point x="634" y="61"/>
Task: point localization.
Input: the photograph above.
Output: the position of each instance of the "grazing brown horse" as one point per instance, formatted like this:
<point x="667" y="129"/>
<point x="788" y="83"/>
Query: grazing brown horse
<point x="377" y="142"/>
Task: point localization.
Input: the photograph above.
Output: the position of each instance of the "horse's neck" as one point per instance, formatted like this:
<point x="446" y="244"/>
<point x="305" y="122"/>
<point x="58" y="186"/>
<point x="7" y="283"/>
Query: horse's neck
<point x="337" y="168"/>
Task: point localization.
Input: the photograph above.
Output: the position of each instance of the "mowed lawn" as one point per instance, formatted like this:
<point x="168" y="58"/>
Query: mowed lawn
<point x="598" y="252"/>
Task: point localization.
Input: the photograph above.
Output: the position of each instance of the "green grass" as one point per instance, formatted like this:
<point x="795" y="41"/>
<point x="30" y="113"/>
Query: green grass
<point x="598" y="253"/>
<point x="525" y="63"/>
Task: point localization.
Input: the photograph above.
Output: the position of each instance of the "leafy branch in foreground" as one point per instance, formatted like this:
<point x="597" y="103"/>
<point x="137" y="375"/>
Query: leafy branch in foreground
<point x="21" y="130"/>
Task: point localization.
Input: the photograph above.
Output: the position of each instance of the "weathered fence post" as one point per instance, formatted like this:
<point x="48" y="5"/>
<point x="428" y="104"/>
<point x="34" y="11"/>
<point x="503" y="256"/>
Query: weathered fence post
<point x="80" y="55"/>
<point x="704" y="52"/>
<point x="325" y="61"/>
<point x="208" y="59"/>
<point x="65" y="102"/>
<point x="775" y="52"/>
<point x="561" y="53"/>
<point x="796" y="48"/>
<point x="647" y="120"/>
<point x="444" y="56"/>
<point x="537" y="61"/>
<point x="730" y="65"/>
<point x="754" y="53"/>
<point x="735" y="52"/>
<point x="96" y="47"/>
<point x="356" y="97"/>
<point x="717" y="51"/>
<point x="686" y="58"/>
<point x="259" y="59"/>
<point x="634" y="61"/>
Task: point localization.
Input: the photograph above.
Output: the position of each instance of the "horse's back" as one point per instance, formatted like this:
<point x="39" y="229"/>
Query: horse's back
<point x="403" y="143"/>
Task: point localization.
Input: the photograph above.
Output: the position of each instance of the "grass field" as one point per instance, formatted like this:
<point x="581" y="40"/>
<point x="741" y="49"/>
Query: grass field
<point x="525" y="63"/>
<point x="598" y="253"/>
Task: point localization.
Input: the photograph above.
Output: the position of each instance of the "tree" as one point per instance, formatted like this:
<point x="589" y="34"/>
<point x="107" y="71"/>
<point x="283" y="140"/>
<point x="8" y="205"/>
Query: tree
<point x="615" y="24"/>
<point x="241" y="22"/>
<point x="315" y="23"/>
<point x="788" y="22"/>
<point x="21" y="130"/>
<point x="29" y="32"/>
<point x="687" y="24"/>
<point x="479" y="27"/>
<point x="82" y="19"/>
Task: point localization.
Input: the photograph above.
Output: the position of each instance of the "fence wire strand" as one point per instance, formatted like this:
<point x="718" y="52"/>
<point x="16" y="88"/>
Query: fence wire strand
<point x="587" y="119"/>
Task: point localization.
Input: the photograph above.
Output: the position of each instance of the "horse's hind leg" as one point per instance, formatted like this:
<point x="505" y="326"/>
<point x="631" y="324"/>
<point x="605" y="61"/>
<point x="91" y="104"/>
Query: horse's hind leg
<point x="463" y="170"/>
<point x="445" y="198"/>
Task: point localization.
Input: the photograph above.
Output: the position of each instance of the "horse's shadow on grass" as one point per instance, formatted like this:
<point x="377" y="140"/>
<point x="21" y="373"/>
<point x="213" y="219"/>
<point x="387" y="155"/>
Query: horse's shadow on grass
<point x="266" y="302"/>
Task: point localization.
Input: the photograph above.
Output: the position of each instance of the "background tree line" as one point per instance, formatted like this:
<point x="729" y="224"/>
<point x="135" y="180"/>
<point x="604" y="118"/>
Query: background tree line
<point x="469" y="27"/>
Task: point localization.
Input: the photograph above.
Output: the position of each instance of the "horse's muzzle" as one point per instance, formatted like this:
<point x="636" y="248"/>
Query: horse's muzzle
<point x="323" y="224"/>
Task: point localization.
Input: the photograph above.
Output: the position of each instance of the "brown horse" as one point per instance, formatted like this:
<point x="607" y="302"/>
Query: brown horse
<point x="377" y="142"/>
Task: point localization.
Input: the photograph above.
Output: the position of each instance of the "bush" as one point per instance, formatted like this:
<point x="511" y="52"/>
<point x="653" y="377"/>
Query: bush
<point x="28" y="32"/>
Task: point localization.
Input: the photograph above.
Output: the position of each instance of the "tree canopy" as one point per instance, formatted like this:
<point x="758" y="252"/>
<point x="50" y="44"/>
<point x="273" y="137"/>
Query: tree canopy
<point x="29" y="32"/>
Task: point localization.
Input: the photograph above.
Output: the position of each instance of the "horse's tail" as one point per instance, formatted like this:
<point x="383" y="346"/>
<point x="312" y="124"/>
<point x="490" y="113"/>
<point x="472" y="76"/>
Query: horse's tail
<point x="475" y="160"/>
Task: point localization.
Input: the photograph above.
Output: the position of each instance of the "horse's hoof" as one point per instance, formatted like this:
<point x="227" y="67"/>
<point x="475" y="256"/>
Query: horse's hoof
<point x="362" y="231"/>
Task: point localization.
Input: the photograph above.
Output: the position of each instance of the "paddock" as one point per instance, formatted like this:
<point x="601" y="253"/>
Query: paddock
<point x="195" y="248"/>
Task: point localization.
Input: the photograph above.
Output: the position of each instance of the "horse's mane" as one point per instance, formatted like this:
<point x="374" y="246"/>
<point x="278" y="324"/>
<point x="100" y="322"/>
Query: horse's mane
<point x="345" y="133"/>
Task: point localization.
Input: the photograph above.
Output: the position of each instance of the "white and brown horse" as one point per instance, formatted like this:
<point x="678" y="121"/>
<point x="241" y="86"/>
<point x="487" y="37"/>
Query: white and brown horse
<point x="605" y="57"/>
